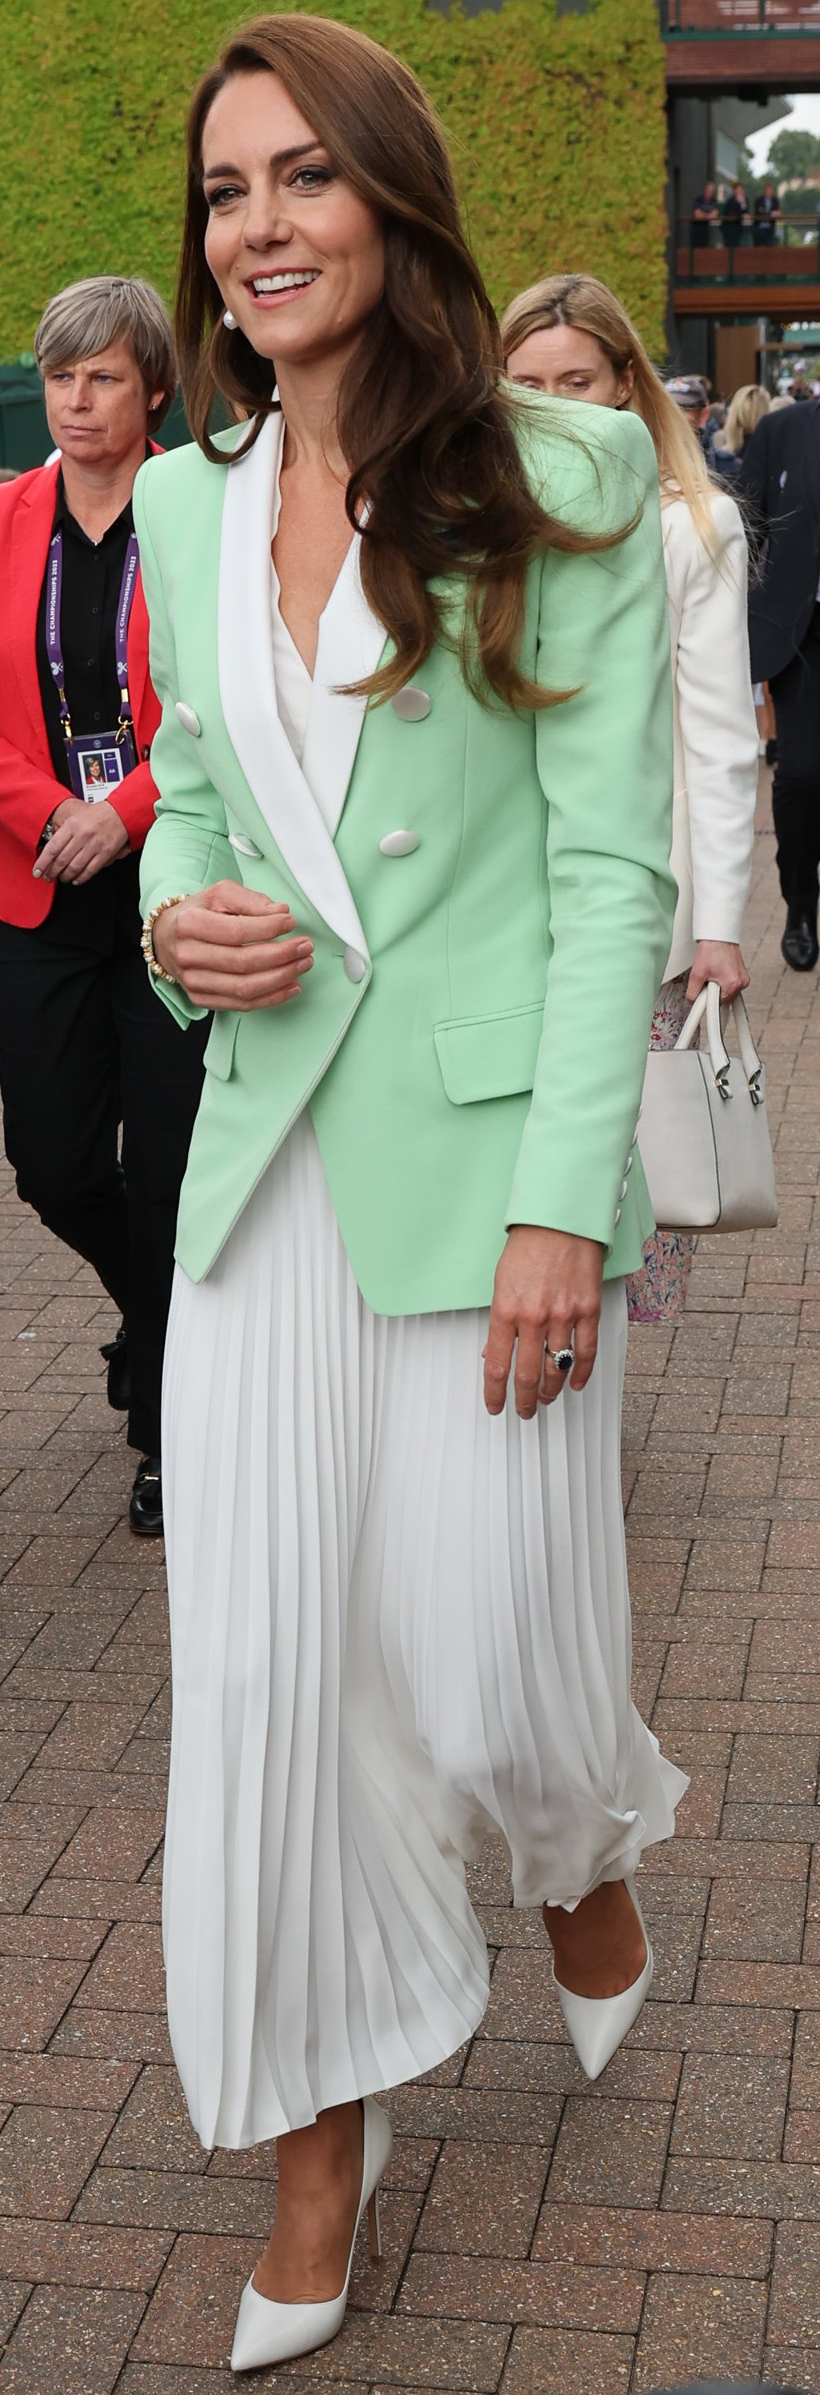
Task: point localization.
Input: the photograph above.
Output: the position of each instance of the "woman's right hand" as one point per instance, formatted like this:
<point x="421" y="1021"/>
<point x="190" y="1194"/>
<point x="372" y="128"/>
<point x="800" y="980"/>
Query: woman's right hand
<point x="232" y="948"/>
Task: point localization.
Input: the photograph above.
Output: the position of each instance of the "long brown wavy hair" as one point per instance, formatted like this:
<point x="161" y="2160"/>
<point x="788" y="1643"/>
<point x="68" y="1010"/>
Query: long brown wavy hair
<point x="425" y="424"/>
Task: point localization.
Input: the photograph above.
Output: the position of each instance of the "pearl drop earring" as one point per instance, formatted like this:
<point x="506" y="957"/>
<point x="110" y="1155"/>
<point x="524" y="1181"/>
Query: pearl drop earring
<point x="229" y="321"/>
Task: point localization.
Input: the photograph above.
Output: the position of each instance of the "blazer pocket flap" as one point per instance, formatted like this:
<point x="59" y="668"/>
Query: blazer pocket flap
<point x="220" y="1048"/>
<point x="489" y="1056"/>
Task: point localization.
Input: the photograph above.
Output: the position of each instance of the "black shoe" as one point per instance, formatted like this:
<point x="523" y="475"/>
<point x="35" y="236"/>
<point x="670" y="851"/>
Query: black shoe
<point x="771" y="752"/>
<point x="115" y="1355"/>
<point x="799" y="943"/>
<point x="145" y="1509"/>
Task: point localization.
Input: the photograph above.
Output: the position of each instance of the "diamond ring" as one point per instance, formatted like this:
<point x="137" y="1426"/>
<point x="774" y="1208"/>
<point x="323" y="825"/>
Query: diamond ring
<point x="562" y="1358"/>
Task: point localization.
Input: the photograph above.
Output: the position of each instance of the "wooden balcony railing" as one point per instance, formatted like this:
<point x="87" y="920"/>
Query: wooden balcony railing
<point x="705" y="17"/>
<point x="748" y="260"/>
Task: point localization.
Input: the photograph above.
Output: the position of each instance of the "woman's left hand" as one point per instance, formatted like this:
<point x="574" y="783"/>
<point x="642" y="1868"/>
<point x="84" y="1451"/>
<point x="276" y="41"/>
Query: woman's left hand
<point x="87" y="838"/>
<point x="547" y="1294"/>
<point x="717" y="960"/>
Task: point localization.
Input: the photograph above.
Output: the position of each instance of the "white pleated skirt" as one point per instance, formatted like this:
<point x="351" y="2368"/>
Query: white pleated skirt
<point x="396" y="1623"/>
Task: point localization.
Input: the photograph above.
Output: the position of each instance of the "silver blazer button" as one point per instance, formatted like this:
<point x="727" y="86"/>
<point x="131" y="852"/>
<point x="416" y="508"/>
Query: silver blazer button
<point x="399" y="844"/>
<point x="189" y="721"/>
<point x="412" y="704"/>
<point x="354" y="965"/>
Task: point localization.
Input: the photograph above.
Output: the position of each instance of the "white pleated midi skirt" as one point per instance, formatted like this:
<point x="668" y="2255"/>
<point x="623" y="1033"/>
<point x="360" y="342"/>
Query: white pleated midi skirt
<point x="396" y="1623"/>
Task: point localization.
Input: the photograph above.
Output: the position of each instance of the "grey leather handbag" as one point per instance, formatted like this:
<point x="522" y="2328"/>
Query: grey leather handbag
<point x="703" y="1132"/>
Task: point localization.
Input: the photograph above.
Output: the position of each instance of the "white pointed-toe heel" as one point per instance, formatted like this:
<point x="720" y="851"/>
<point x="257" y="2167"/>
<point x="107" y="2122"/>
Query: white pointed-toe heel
<point x="270" y="2332"/>
<point x="598" y="2024"/>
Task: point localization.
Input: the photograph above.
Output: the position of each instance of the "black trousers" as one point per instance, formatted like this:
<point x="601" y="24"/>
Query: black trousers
<point x="85" y="1046"/>
<point x="796" y="790"/>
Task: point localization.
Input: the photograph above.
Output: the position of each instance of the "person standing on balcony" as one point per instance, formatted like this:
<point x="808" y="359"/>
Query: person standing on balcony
<point x="780" y="482"/>
<point x="766" y="216"/>
<point x="705" y="212"/>
<point x="734" y="215"/>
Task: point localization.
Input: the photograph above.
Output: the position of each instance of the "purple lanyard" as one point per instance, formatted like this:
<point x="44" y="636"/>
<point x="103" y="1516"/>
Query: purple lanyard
<point x="54" y="602"/>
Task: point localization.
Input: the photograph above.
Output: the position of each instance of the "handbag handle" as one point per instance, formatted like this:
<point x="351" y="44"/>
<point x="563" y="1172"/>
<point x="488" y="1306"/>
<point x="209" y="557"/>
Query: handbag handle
<point x="707" y="1003"/>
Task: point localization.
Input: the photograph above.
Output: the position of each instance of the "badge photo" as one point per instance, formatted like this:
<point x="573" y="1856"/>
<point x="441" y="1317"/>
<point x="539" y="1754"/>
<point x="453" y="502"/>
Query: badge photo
<point x="99" y="768"/>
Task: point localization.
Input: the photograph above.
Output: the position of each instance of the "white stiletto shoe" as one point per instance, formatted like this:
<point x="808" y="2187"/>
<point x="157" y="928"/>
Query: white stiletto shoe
<point x="598" y="2024"/>
<point x="270" y="2332"/>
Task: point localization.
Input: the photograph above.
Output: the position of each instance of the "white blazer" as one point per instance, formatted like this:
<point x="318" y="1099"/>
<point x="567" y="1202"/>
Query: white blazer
<point x="715" y="728"/>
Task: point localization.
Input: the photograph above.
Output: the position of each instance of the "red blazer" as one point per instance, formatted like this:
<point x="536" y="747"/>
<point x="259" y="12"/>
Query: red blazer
<point x="29" y="788"/>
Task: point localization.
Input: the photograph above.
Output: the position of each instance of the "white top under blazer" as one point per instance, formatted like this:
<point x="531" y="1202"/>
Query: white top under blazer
<point x="715" y="788"/>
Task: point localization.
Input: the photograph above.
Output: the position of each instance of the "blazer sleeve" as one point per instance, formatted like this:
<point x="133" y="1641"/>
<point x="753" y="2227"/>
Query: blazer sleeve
<point x="717" y="718"/>
<point x="753" y="480"/>
<point x="605" y="765"/>
<point x="134" y="801"/>
<point x="28" y="796"/>
<point x="187" y="847"/>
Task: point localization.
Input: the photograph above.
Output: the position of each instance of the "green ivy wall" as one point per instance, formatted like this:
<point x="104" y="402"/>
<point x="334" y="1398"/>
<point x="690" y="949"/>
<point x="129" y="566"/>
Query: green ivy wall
<point x="557" y="125"/>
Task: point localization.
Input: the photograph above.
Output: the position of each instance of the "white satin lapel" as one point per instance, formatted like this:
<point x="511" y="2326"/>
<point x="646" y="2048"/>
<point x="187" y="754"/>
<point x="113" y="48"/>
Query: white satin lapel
<point x="248" y="690"/>
<point x="351" y="642"/>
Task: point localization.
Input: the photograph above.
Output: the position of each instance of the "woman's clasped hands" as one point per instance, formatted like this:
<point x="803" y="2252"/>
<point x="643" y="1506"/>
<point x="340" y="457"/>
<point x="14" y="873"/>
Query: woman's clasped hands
<point x="233" y="948"/>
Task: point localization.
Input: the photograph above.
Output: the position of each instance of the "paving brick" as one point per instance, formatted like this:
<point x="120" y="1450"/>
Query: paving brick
<point x="610" y="2153"/>
<point x="618" y="2238"/>
<point x="114" y="1842"/>
<point x="46" y="2153"/>
<point x="560" y="2362"/>
<point x="65" y="2254"/>
<point x="691" y="2325"/>
<point x="74" y="2339"/>
<point x="460" y="2284"/>
<point x="49" y="2079"/>
<point x="730" y="2107"/>
<point x="154" y="2130"/>
<point x="142" y="2036"/>
<point x="762" y="1921"/>
<point x="484" y="2199"/>
<point x="795" y="2369"/>
<point x="752" y="2190"/>
<point x="33" y="1998"/>
<point x="128" y="1973"/>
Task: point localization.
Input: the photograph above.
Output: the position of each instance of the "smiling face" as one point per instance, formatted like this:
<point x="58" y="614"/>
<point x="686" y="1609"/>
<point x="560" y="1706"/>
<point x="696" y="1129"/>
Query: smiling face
<point x="97" y="408"/>
<point x="568" y="364"/>
<point x="297" y="255"/>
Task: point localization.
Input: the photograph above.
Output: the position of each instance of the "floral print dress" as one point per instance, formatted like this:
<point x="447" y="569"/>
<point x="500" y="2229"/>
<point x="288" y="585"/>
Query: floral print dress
<point x="657" y="1293"/>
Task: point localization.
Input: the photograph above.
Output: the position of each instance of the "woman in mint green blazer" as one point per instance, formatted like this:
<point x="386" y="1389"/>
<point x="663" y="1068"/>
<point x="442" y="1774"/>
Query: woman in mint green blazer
<point x="411" y="847"/>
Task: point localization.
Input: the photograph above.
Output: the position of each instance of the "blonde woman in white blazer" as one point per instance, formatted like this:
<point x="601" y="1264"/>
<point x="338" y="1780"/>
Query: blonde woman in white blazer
<point x="570" y="337"/>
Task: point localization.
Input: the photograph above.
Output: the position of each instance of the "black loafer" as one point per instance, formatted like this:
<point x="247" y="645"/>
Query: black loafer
<point x="145" y="1509"/>
<point x="799" y="944"/>
<point x="115" y="1355"/>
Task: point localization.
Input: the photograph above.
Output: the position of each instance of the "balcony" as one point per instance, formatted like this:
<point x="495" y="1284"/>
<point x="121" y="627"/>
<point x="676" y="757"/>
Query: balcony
<point x="738" y="45"/>
<point x="748" y="277"/>
<point x="708" y="19"/>
<point x="791" y="258"/>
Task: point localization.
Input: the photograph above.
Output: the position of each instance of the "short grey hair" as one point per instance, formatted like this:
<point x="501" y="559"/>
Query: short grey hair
<point x="87" y="317"/>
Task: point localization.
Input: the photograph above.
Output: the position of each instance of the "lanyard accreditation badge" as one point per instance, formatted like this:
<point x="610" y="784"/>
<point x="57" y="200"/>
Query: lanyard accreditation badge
<point x="99" y="760"/>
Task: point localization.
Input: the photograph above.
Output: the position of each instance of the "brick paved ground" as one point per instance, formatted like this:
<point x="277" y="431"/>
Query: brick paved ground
<point x="543" y="2238"/>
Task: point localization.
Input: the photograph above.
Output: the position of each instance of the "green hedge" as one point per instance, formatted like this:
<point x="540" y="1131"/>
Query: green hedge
<point x="557" y="126"/>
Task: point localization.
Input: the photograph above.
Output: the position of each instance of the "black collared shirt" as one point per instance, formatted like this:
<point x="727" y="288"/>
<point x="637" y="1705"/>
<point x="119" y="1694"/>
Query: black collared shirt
<point x="100" y="909"/>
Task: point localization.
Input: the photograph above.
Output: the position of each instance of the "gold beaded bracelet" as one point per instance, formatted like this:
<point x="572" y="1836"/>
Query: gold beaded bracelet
<point x="156" y="970"/>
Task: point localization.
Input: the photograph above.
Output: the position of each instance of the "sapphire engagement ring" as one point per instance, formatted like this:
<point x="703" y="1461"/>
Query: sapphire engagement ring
<point x="562" y="1358"/>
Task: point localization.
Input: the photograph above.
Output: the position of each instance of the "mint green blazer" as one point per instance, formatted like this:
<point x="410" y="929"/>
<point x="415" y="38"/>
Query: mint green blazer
<point x="489" y="894"/>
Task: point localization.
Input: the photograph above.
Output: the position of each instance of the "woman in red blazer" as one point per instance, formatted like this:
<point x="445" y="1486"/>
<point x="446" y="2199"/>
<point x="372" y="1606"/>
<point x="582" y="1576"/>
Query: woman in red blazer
<point x="81" y="1050"/>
